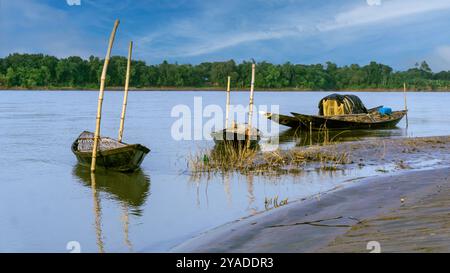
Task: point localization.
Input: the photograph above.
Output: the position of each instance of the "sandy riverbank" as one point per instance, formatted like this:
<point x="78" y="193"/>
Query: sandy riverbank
<point x="404" y="208"/>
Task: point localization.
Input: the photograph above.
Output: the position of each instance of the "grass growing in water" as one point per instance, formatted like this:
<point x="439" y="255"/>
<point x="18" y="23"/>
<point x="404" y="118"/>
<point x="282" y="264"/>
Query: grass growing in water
<point x="228" y="157"/>
<point x="224" y="157"/>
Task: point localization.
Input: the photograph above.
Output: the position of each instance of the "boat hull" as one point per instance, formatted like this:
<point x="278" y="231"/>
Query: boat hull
<point x="321" y="122"/>
<point x="236" y="139"/>
<point x="338" y="122"/>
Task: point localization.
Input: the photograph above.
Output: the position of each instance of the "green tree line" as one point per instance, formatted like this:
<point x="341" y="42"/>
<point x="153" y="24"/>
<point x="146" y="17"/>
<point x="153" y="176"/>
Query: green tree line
<point x="43" y="71"/>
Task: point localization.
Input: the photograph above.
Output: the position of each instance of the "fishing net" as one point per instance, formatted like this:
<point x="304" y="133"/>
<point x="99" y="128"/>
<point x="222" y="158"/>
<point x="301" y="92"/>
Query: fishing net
<point x="336" y="104"/>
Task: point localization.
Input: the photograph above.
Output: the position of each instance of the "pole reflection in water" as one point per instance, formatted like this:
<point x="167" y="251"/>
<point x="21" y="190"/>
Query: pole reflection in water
<point x="97" y="213"/>
<point x="226" y="187"/>
<point x="206" y="194"/>
<point x="198" y="193"/>
<point x="251" y="194"/>
<point x="130" y="190"/>
<point x="126" y="222"/>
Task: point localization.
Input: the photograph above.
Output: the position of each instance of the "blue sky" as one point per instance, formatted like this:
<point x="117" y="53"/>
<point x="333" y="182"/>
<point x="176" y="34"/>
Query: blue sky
<point x="395" y="32"/>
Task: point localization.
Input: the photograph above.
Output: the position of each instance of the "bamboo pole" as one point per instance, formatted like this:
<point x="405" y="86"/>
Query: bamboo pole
<point x="406" y="105"/>
<point x="100" y="96"/>
<point x="250" y="111"/>
<point x="227" y="110"/>
<point x="125" y="95"/>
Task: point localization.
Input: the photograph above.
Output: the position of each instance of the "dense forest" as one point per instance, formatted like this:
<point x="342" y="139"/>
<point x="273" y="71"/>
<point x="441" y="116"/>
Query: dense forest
<point x="43" y="71"/>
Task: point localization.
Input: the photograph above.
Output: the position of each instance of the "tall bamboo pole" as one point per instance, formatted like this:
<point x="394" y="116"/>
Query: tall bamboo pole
<point x="227" y="110"/>
<point x="250" y="110"/>
<point x="406" y="105"/>
<point x="100" y="96"/>
<point x="125" y="95"/>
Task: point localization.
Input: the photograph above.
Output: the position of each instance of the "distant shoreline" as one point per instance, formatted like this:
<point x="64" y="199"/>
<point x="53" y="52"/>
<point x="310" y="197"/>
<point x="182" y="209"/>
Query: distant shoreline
<point x="216" y="89"/>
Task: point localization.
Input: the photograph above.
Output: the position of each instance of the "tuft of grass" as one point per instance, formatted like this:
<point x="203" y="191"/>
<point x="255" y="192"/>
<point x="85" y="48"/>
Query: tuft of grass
<point x="402" y="165"/>
<point x="271" y="203"/>
<point x="226" y="158"/>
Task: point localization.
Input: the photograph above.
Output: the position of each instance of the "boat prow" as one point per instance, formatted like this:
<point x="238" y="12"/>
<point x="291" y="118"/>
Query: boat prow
<point x="285" y="120"/>
<point x="112" y="154"/>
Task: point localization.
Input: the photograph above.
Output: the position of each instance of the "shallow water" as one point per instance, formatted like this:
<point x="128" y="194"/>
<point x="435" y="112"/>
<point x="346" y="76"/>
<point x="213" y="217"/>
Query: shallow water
<point x="47" y="199"/>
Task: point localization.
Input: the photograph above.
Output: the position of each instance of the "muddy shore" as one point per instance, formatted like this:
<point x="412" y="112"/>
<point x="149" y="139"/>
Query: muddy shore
<point x="404" y="208"/>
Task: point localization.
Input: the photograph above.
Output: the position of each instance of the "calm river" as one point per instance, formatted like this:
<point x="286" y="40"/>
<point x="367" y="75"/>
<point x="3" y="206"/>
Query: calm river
<point x="46" y="200"/>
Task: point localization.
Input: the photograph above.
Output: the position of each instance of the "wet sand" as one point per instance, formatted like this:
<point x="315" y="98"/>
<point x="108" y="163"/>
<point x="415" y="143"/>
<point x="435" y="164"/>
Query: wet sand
<point x="405" y="211"/>
<point x="420" y="225"/>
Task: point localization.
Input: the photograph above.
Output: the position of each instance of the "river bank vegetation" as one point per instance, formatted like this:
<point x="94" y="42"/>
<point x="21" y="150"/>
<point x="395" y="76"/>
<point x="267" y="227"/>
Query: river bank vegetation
<point x="39" y="71"/>
<point x="386" y="153"/>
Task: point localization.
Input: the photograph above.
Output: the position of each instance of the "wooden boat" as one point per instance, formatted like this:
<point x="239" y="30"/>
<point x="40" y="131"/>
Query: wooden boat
<point x="350" y="121"/>
<point x="294" y="122"/>
<point x="237" y="135"/>
<point x="93" y="150"/>
<point x="112" y="154"/>
<point x="340" y="112"/>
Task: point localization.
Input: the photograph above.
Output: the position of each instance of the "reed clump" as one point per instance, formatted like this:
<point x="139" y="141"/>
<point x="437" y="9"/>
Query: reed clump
<point x="225" y="157"/>
<point x="245" y="160"/>
<point x="273" y="203"/>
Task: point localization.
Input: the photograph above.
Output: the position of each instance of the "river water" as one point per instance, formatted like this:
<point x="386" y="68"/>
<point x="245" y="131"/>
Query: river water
<point x="47" y="203"/>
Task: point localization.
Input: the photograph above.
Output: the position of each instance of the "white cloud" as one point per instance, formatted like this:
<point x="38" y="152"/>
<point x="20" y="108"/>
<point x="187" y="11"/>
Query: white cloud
<point x="444" y="52"/>
<point x="208" y="27"/>
<point x="373" y="2"/>
<point x="73" y="2"/>
<point x="28" y="26"/>
<point x="202" y="33"/>
<point x="234" y="40"/>
<point x="363" y="15"/>
<point x="440" y="58"/>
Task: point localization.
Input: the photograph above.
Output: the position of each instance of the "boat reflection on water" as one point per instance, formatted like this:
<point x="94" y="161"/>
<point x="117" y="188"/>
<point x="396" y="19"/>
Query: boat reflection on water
<point x="305" y="138"/>
<point x="129" y="189"/>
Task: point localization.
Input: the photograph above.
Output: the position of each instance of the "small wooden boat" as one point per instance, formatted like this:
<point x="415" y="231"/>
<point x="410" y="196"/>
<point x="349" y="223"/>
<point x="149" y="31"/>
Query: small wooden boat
<point x="112" y="154"/>
<point x="293" y="122"/>
<point x="93" y="150"/>
<point x="341" y="112"/>
<point x="237" y="135"/>
<point x="343" y="122"/>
